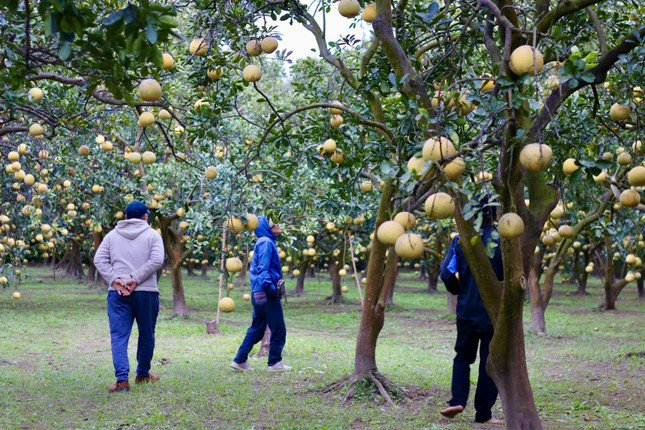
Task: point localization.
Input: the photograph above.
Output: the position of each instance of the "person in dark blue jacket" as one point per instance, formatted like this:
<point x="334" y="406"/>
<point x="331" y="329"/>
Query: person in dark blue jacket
<point x="266" y="280"/>
<point x="473" y="325"/>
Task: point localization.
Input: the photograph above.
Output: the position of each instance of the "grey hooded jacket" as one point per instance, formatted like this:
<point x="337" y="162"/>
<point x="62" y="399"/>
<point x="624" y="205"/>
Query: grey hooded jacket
<point x="132" y="250"/>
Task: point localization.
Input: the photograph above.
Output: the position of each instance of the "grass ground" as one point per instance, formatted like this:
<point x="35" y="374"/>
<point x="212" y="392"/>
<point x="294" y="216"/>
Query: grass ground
<point x="55" y="363"/>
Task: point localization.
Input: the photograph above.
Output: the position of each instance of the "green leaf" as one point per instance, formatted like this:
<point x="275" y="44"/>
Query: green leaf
<point x="65" y="50"/>
<point x="151" y="34"/>
<point x="113" y="18"/>
<point x="588" y="77"/>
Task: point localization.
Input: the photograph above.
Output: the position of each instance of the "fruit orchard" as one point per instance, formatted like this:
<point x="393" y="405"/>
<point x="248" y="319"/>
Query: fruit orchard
<point x="373" y="152"/>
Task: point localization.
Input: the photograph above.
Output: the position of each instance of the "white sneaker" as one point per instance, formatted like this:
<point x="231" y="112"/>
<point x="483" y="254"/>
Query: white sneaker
<point x="279" y="367"/>
<point x="242" y="367"/>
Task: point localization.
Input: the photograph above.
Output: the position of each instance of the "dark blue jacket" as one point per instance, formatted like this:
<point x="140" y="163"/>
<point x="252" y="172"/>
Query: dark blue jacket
<point x="469" y="302"/>
<point x="266" y="269"/>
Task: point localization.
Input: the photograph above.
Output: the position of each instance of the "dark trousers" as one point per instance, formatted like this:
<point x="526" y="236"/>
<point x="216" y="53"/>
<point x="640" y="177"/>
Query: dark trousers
<point x="269" y="314"/>
<point x="142" y="306"/>
<point x="469" y="336"/>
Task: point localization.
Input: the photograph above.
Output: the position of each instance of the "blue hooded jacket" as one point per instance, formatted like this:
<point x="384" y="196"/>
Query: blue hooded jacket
<point x="469" y="302"/>
<point x="266" y="269"/>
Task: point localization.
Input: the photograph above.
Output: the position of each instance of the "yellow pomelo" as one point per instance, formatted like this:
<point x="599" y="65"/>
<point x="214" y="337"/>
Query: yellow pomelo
<point x="510" y="225"/>
<point x="369" y="13"/>
<point x="329" y="146"/>
<point x="636" y="176"/>
<point x="168" y="61"/>
<point x="349" y="8"/>
<point x="565" y="231"/>
<point x="269" y="45"/>
<point x="164" y="115"/>
<point x="453" y="169"/>
<point x="406" y="219"/>
<point x="146" y="119"/>
<point x="83" y="150"/>
<point x="150" y="90"/>
<point x="630" y="198"/>
<point x="619" y="112"/>
<point x="252" y="73"/>
<point x="435" y="149"/>
<point x="389" y="232"/>
<point x="624" y="159"/>
<point x="36" y="130"/>
<point x="535" y="157"/>
<point x="233" y="265"/>
<point x="216" y="73"/>
<point x="253" y="48"/>
<point x="366" y="187"/>
<point x="335" y="111"/>
<point x="336" y="121"/>
<point x="409" y="245"/>
<point x="198" y="47"/>
<point x="569" y="166"/>
<point x="211" y="172"/>
<point x="226" y="305"/>
<point x="522" y="60"/>
<point x="252" y="222"/>
<point x="439" y="206"/>
<point x="148" y="157"/>
<point x="36" y="94"/>
<point x="234" y="224"/>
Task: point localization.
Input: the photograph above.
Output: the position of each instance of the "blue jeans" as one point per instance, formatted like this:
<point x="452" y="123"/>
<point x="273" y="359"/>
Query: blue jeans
<point x="142" y="306"/>
<point x="469" y="336"/>
<point x="269" y="314"/>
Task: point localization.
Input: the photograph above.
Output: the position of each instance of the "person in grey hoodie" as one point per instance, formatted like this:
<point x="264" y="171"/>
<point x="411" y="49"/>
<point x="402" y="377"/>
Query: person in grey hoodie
<point x="128" y="260"/>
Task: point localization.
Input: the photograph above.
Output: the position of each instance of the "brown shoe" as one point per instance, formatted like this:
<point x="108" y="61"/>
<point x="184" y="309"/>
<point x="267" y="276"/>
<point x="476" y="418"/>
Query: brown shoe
<point x="452" y="411"/>
<point x="150" y="378"/>
<point x="119" y="386"/>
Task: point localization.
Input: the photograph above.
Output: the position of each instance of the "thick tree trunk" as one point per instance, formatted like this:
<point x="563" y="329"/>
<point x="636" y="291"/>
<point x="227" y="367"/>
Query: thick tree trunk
<point x="336" y="294"/>
<point x="639" y="286"/>
<point x="265" y="344"/>
<point x="373" y="312"/>
<point x="610" y="274"/>
<point x="389" y="280"/>
<point x="433" y="277"/>
<point x="190" y="269"/>
<point x="452" y="303"/>
<point x="507" y="366"/>
<point x="300" y="282"/>
<point x="240" y="279"/>
<point x="205" y="271"/>
<point x="582" y="283"/>
<point x="179" y="307"/>
<point x="175" y="254"/>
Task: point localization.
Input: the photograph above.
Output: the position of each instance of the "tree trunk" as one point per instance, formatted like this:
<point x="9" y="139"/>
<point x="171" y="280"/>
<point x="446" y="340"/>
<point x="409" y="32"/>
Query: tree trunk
<point x="179" y="307"/>
<point x="433" y="277"/>
<point x="582" y="283"/>
<point x="452" y="303"/>
<point x="639" y="286"/>
<point x="175" y="254"/>
<point x="610" y="298"/>
<point x="265" y="344"/>
<point x="336" y="294"/>
<point x="389" y="281"/>
<point x="300" y="282"/>
<point x="373" y="312"/>
<point x="205" y="271"/>
<point x="240" y="279"/>
<point x="507" y="366"/>
<point x="190" y="269"/>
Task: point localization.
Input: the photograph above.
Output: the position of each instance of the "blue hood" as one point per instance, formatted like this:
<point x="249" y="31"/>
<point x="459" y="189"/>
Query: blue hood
<point x="263" y="229"/>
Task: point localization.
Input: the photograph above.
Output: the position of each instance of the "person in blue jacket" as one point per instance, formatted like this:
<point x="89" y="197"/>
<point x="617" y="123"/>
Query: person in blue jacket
<point x="474" y="327"/>
<point x="266" y="281"/>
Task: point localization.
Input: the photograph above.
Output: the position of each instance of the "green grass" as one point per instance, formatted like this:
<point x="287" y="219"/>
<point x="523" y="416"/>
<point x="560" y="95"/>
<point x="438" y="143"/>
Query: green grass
<point x="55" y="363"/>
